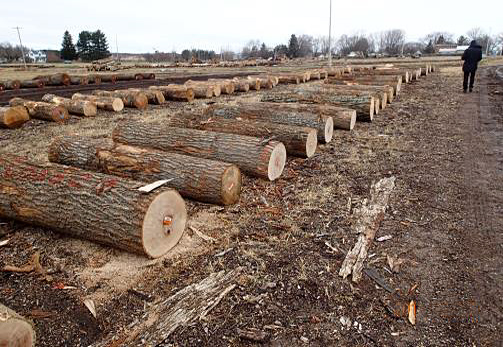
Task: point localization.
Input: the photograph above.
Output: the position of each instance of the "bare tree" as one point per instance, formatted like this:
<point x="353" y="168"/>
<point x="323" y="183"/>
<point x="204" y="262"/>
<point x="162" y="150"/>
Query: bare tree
<point x="357" y="43"/>
<point x="11" y="53"/>
<point x="305" y="45"/>
<point x="439" y="37"/>
<point x="391" y="41"/>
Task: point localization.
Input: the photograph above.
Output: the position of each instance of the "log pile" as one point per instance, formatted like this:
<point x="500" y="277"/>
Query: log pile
<point x="227" y="86"/>
<point x="79" y="79"/>
<point x="203" y="90"/>
<point x="78" y="107"/>
<point x="155" y="97"/>
<point x="42" y="110"/>
<point x="57" y="79"/>
<point x="176" y="92"/>
<point x="106" y="103"/>
<point x="130" y="99"/>
<point x="378" y="80"/>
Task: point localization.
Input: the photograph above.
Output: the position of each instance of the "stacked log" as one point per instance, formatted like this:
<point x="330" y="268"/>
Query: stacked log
<point x="79" y="80"/>
<point x="12" y="84"/>
<point x="155" y="97"/>
<point x="96" y="79"/>
<point x="253" y="83"/>
<point x="130" y="99"/>
<point x="265" y="82"/>
<point x="109" y="78"/>
<point x="105" y="209"/>
<point x="298" y="141"/>
<point x="241" y="85"/>
<point x="56" y="79"/>
<point x="15" y="330"/>
<point x="176" y="92"/>
<point x="78" y="107"/>
<point x="393" y="72"/>
<point x="13" y="117"/>
<point x="289" y="79"/>
<point x="378" y="94"/>
<point x="226" y="86"/>
<point x="196" y="178"/>
<point x="148" y="75"/>
<point x="126" y="76"/>
<point x="202" y="90"/>
<point x="335" y="71"/>
<point x="42" y="110"/>
<point x="252" y="155"/>
<point x="106" y="103"/>
<point x="364" y="105"/>
<point x="32" y="84"/>
<point x="393" y="81"/>
<point x="315" y="75"/>
<point x="320" y="117"/>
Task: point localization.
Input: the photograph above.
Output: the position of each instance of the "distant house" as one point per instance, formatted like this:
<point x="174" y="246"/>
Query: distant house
<point x="37" y="56"/>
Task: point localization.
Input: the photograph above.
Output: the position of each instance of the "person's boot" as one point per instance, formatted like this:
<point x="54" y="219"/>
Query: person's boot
<point x="471" y="90"/>
<point x="464" y="90"/>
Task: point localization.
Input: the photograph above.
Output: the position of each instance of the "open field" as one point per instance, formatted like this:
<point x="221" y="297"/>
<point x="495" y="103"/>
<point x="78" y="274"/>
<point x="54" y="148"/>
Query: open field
<point x="283" y="244"/>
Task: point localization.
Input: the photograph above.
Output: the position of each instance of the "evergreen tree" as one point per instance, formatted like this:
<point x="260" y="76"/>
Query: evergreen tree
<point x="68" y="51"/>
<point x="84" y="46"/>
<point x="264" y="52"/>
<point x="462" y="40"/>
<point x="99" y="45"/>
<point x="429" y="49"/>
<point x="293" y="47"/>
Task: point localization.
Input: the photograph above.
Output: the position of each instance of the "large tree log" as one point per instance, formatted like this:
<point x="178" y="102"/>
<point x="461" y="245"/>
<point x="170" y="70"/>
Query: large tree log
<point x="42" y="110"/>
<point x="335" y="71"/>
<point x="241" y="85"/>
<point x="13" y="117"/>
<point x="377" y="80"/>
<point x="93" y="206"/>
<point x="130" y="99"/>
<point x="126" y="76"/>
<point x="56" y="79"/>
<point x="148" y="75"/>
<point x="378" y="94"/>
<point x="388" y="72"/>
<point x="298" y="141"/>
<point x="12" y="84"/>
<point x="364" y="105"/>
<point x="196" y="178"/>
<point x="79" y="79"/>
<point x="290" y="79"/>
<point x="96" y="79"/>
<point x="32" y="84"/>
<point x="106" y="103"/>
<point x="155" y="97"/>
<point x="254" y="84"/>
<point x="15" y="330"/>
<point x="109" y="78"/>
<point x="320" y="117"/>
<point x="176" y="92"/>
<point x="79" y="107"/>
<point x="226" y="86"/>
<point x="265" y="82"/>
<point x="201" y="90"/>
<point x="252" y="155"/>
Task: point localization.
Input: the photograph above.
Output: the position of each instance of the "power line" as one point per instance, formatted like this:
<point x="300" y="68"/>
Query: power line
<point x="21" y="43"/>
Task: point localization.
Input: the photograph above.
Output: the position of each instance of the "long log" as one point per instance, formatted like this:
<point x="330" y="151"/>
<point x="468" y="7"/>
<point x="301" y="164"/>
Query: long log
<point x="42" y="110"/>
<point x="155" y="97"/>
<point x="298" y="141"/>
<point x="96" y="79"/>
<point x="79" y="79"/>
<point x="265" y="82"/>
<point x="32" y="84"/>
<point x="13" y="117"/>
<point x="289" y="79"/>
<point x="241" y="85"/>
<point x="148" y="75"/>
<point x="106" y="103"/>
<point x="12" y="84"/>
<point x="364" y="105"/>
<point x="253" y="84"/>
<point x="196" y="178"/>
<point x="78" y="107"/>
<point x="227" y="86"/>
<point x="389" y="72"/>
<point x="56" y="79"/>
<point x="129" y="99"/>
<point x="126" y="76"/>
<point x="94" y="206"/>
<point x="176" y="92"/>
<point x="201" y="90"/>
<point x="110" y="78"/>
<point x="380" y="94"/>
<point x="377" y="80"/>
<point x="321" y="117"/>
<point x="252" y="155"/>
<point x="15" y="330"/>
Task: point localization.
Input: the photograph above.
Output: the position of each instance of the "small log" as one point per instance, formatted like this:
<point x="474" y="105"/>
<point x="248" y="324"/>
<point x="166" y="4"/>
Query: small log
<point x="12" y="84"/>
<point x="201" y="90"/>
<point x="32" y="84"/>
<point x="79" y="80"/>
<point x="254" y="83"/>
<point x="298" y="141"/>
<point x="57" y="79"/>
<point x="196" y="178"/>
<point x="130" y="99"/>
<point x="15" y="330"/>
<point x="126" y="76"/>
<point x="176" y="92"/>
<point x="13" y="117"/>
<point x="78" y="107"/>
<point x="288" y="79"/>
<point x="380" y="94"/>
<point x="227" y="86"/>
<point x="96" y="79"/>
<point x="252" y="155"/>
<point x="109" y="78"/>
<point x="148" y="75"/>
<point x="241" y="85"/>
<point x="42" y="110"/>
<point x="97" y="207"/>
<point x="155" y="97"/>
<point x="102" y="102"/>
<point x="265" y="82"/>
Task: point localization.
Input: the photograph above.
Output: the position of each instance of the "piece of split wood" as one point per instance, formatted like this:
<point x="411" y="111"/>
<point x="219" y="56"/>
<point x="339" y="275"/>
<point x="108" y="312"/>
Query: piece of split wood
<point x="201" y="235"/>
<point x="4" y="242"/>
<point x="367" y="220"/>
<point x="90" y="306"/>
<point x="394" y="263"/>
<point x="152" y="186"/>
<point x="384" y="238"/>
<point x="412" y="312"/>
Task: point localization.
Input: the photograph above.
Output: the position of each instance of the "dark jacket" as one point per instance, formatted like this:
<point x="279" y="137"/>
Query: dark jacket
<point x="472" y="56"/>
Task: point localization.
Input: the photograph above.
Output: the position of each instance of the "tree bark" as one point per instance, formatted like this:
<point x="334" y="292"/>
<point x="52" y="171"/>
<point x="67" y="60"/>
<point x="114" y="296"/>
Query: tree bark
<point x="13" y="117"/>
<point x="298" y="141"/>
<point x="289" y="79"/>
<point x="387" y="72"/>
<point x="176" y="92"/>
<point x="241" y="85"/>
<point x="364" y="106"/>
<point x="93" y="206"/>
<point x="380" y="94"/>
<point x="126" y="76"/>
<point x="130" y="99"/>
<point x="32" y="84"/>
<point x="315" y="75"/>
<point x="79" y="80"/>
<point x="265" y="82"/>
<point x="252" y="155"/>
<point x="15" y="330"/>
<point x="110" y="78"/>
<point x="106" y="103"/>
<point x="42" y="110"/>
<point x="12" y="84"/>
<point x="201" y="90"/>
<point x="79" y="107"/>
<point x="377" y="80"/>
<point x="335" y="71"/>
<point x="96" y="79"/>
<point x="148" y="75"/>
<point x="226" y="86"/>
<point x="196" y="178"/>
<point x="254" y="84"/>
<point x="155" y="97"/>
<point x="56" y="79"/>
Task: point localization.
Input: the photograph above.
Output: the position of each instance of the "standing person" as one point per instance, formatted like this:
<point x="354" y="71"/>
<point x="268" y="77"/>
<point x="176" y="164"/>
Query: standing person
<point x="471" y="56"/>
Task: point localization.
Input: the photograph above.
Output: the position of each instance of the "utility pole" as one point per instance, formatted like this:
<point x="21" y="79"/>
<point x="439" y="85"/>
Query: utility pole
<point x="330" y="37"/>
<point x="21" y="43"/>
<point x="116" y="49"/>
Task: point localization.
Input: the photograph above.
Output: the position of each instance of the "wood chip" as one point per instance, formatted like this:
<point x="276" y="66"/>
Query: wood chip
<point x="152" y="186"/>
<point x="412" y="312"/>
<point x="384" y="238"/>
<point x="201" y="235"/>
<point x="4" y="242"/>
<point x="90" y="306"/>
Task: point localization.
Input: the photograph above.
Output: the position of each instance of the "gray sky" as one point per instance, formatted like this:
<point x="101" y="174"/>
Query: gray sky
<point x="167" y="25"/>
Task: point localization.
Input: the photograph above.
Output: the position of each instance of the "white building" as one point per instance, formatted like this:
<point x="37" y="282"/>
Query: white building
<point x="37" y="56"/>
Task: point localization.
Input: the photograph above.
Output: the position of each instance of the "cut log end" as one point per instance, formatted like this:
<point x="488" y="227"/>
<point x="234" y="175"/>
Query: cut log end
<point x="59" y="114"/>
<point x="164" y="223"/>
<point x="16" y="332"/>
<point x="312" y="143"/>
<point x="231" y="185"/>
<point x="277" y="162"/>
<point x="13" y="117"/>
<point x="90" y="109"/>
<point x="352" y="122"/>
<point x="329" y="129"/>
<point x="117" y="105"/>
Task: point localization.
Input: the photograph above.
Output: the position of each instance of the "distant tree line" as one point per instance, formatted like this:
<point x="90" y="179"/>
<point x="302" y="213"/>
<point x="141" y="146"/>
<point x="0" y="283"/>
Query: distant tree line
<point x="10" y="53"/>
<point x="91" y="45"/>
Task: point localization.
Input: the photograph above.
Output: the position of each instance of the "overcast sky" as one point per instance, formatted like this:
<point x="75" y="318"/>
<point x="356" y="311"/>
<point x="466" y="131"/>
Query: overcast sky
<point x="142" y="26"/>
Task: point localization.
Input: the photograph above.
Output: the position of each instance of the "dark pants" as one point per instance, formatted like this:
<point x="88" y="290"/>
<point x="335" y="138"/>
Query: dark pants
<point x="465" y="80"/>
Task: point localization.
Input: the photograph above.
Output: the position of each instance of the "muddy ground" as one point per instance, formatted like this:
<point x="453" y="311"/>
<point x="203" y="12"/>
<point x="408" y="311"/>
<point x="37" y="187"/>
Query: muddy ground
<point x="291" y="236"/>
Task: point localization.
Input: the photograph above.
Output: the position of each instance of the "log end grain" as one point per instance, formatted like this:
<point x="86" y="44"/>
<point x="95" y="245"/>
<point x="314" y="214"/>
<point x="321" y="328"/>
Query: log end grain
<point x="13" y="117"/>
<point x="117" y="105"/>
<point x="140" y="101"/>
<point x="217" y="90"/>
<point x="164" y="223"/>
<point x="89" y="109"/>
<point x="16" y="332"/>
<point x="59" y="114"/>
<point x="312" y="142"/>
<point x="277" y="161"/>
<point x="329" y="129"/>
<point x="231" y="185"/>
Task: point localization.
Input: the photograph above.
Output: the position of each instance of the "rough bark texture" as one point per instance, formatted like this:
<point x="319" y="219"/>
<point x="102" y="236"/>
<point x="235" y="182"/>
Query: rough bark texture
<point x="226" y="86"/>
<point x="126" y="76"/>
<point x="93" y="206"/>
<point x="320" y="117"/>
<point x="12" y="84"/>
<point x="56" y="79"/>
<point x="148" y="75"/>
<point x="130" y="99"/>
<point x="254" y="84"/>
<point x="201" y="90"/>
<point x="241" y="85"/>
<point x="176" y="92"/>
<point x="79" y="107"/>
<point x="289" y="79"/>
<point x="364" y="105"/>
<point x="107" y="103"/>
<point x="252" y="155"/>
<point x="155" y="97"/>
<point x="196" y="178"/>
<point x="96" y="79"/>
<point x="265" y="82"/>
<point x="13" y="117"/>
<point x="109" y="78"/>
<point x="377" y="80"/>
<point x="15" y="330"/>
<point x="42" y="110"/>
<point x="184" y="308"/>
<point x="298" y="141"/>
<point x="80" y="80"/>
<point x="357" y="91"/>
<point x="32" y="84"/>
<point x="388" y="72"/>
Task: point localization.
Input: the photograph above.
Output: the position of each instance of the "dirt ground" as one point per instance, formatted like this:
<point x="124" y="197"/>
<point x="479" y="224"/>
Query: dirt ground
<point x="291" y="236"/>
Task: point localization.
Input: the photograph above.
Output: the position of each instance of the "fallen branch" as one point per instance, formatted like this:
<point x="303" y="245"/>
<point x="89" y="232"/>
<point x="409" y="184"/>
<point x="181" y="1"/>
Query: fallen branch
<point x="368" y="217"/>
